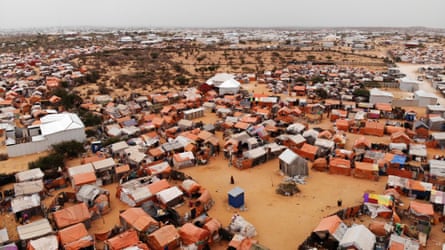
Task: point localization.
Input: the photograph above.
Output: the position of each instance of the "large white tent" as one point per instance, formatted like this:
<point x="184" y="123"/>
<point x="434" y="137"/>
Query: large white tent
<point x="230" y="86"/>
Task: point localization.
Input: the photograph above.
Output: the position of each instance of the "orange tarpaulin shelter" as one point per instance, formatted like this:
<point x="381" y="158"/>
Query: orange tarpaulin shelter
<point x="362" y="142"/>
<point x="400" y="137"/>
<point x="343" y="124"/>
<point x="376" y="128"/>
<point x="71" y="215"/>
<point x="421" y="209"/>
<point x="386" y="107"/>
<point x="83" y="178"/>
<point x="167" y="237"/>
<point x="366" y="170"/>
<point x="394" y="129"/>
<point x="138" y="219"/>
<point x="124" y="240"/>
<point x="340" y="166"/>
<point x="191" y="234"/>
<point x="75" y="237"/>
<point x="158" y="186"/>
<point x="307" y="151"/>
<point x="328" y="227"/>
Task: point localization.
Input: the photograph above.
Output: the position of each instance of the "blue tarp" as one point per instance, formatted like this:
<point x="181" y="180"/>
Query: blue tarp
<point x="398" y="159"/>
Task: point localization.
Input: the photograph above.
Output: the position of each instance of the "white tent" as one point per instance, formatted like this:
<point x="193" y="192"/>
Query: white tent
<point x="219" y="78"/>
<point x="28" y="187"/>
<point x="358" y="237"/>
<point x="29" y="175"/>
<point x="230" y="86"/>
<point x="171" y="196"/>
<point x="49" y="242"/>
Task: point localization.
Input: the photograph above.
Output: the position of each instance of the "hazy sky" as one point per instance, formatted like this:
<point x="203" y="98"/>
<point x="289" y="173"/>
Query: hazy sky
<point x="223" y="13"/>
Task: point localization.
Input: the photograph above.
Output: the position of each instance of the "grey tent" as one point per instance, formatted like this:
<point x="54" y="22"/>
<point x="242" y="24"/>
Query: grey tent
<point x="292" y="164"/>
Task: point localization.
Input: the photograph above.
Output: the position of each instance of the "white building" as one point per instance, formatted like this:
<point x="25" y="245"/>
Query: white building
<point x="380" y="96"/>
<point x="53" y="129"/>
<point x="425" y="98"/>
<point x="409" y="85"/>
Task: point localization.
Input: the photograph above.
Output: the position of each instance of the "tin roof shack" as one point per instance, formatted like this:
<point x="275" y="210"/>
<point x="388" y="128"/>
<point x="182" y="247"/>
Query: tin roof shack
<point x="72" y="215"/>
<point x="34" y="230"/>
<point x="421" y="129"/>
<point x="377" y="95"/>
<point x="436" y="123"/>
<point x="76" y="237"/>
<point x="435" y="109"/>
<point x="136" y="218"/>
<point x="30" y="204"/>
<point x="29" y="175"/>
<point x="330" y="231"/>
<point x="136" y="191"/>
<point x="376" y="128"/>
<point x="417" y="152"/>
<point x="170" y="197"/>
<point x="167" y="237"/>
<point x="126" y="240"/>
<point x="49" y="242"/>
<point x="439" y="138"/>
<point x="291" y="164"/>
<point x="28" y="188"/>
<point x="104" y="170"/>
<point x="340" y="166"/>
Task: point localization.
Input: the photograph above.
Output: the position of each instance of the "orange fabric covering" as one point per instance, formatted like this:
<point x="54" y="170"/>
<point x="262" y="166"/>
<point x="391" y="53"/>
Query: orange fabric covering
<point x="329" y="224"/>
<point x="71" y="215"/>
<point x="366" y="170"/>
<point x="340" y="166"/>
<point x="165" y="236"/>
<point x="156" y="152"/>
<point x="331" y="102"/>
<point x="137" y="218"/>
<point x="190" y="234"/>
<point x="374" y="128"/>
<point x="241" y="243"/>
<point x="383" y="107"/>
<point x="122" y="169"/>
<point x="362" y="142"/>
<point x="300" y="88"/>
<point x="92" y="159"/>
<point x="213" y="225"/>
<point x="242" y="125"/>
<point x="158" y="186"/>
<point x="422" y="208"/>
<point x="342" y="124"/>
<point x="394" y="129"/>
<point x="396" y="246"/>
<point x="366" y="166"/>
<point x="71" y="237"/>
<point x="416" y="185"/>
<point x="400" y="137"/>
<point x="307" y="151"/>
<point x="124" y="240"/>
<point x="84" y="178"/>
<point x="158" y="121"/>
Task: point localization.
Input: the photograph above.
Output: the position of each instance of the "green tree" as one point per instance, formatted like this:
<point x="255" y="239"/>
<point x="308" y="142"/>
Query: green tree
<point x="361" y="92"/>
<point x="69" y="148"/>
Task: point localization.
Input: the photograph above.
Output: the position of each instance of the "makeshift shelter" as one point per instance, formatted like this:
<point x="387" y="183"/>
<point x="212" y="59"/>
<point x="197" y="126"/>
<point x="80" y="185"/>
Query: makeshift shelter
<point x="343" y="124"/>
<point x="213" y="226"/>
<point x="191" y="114"/>
<point x="34" y="229"/>
<point x="291" y="164"/>
<point x="193" y="235"/>
<point x="362" y="143"/>
<point x="308" y="152"/>
<point x="397" y="242"/>
<point x="365" y="170"/>
<point x="136" y="218"/>
<point x="320" y="164"/>
<point x="91" y="195"/>
<point x="421" y="129"/>
<point x="49" y="242"/>
<point x="376" y="128"/>
<point x="400" y="137"/>
<point x="417" y="151"/>
<point x="358" y="237"/>
<point x="30" y="204"/>
<point x="436" y="123"/>
<point x="170" y="197"/>
<point x="125" y="240"/>
<point x="241" y="226"/>
<point x="331" y="229"/>
<point x="183" y="160"/>
<point x="72" y="215"/>
<point x="420" y="210"/>
<point x="257" y="155"/>
<point x="190" y="187"/>
<point x="75" y="237"/>
<point x="104" y="170"/>
<point x="136" y="191"/>
<point x="29" y="175"/>
<point x="437" y="168"/>
<point x="81" y="175"/>
<point x="28" y="187"/>
<point x="166" y="237"/>
<point x="340" y="166"/>
<point x="236" y="197"/>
